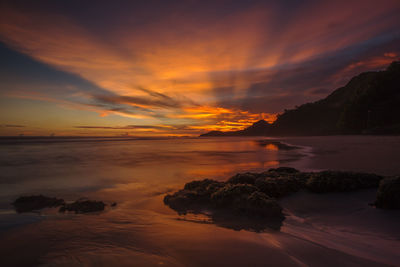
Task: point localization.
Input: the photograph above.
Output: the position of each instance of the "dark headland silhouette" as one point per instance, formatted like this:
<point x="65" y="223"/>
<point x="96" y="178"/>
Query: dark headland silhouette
<point x="368" y="104"/>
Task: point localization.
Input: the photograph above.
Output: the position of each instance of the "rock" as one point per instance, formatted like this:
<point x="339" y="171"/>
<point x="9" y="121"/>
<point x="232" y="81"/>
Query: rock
<point x="243" y="178"/>
<point x="203" y="188"/>
<point x="184" y="200"/>
<point x="232" y="196"/>
<point x="281" y="181"/>
<point x="114" y="204"/>
<point x="279" y="186"/>
<point x="270" y="174"/>
<point x="227" y="198"/>
<point x="194" y="195"/>
<point x="260" y="205"/>
<point x="388" y="196"/>
<point x="83" y="206"/>
<point x="340" y="181"/>
<point x="284" y="170"/>
<point x="248" y="200"/>
<point x="36" y="202"/>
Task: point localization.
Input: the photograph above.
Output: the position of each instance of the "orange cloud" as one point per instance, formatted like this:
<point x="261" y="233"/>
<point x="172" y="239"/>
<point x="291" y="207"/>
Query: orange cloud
<point x="182" y="61"/>
<point x="156" y="58"/>
<point x="223" y="119"/>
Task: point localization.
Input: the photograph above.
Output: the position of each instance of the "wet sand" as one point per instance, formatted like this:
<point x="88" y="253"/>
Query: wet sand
<point x="324" y="235"/>
<point x="338" y="229"/>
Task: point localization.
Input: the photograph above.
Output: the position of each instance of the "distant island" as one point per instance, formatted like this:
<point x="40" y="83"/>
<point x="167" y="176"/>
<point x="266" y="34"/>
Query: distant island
<point x="368" y="104"/>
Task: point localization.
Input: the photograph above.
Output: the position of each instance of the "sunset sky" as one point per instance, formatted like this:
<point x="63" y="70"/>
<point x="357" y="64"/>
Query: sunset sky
<point x="180" y="67"/>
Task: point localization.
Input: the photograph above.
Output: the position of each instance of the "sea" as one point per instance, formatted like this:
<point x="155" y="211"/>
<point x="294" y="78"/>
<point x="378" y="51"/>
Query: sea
<point x="136" y="173"/>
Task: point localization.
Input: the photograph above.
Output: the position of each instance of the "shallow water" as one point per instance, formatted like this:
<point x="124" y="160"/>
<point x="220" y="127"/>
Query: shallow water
<point x="141" y="231"/>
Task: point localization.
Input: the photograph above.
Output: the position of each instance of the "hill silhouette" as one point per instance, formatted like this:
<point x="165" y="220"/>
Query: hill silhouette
<point x="368" y="104"/>
<point x="260" y="127"/>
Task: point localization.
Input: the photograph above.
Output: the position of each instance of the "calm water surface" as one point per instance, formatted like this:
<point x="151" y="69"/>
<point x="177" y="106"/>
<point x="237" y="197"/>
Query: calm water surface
<point x="141" y="231"/>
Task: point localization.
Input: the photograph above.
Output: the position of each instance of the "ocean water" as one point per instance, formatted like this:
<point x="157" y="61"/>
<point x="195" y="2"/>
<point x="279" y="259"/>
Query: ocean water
<point x="141" y="231"/>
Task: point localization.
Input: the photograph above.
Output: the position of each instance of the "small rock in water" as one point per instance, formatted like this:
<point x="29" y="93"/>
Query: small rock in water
<point x="83" y="206"/>
<point x="36" y="202"/>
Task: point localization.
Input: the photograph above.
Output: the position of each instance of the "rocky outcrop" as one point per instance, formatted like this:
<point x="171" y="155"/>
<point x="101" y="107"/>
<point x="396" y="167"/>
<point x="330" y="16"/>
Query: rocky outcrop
<point x="253" y="196"/>
<point x="338" y="181"/>
<point x="284" y="170"/>
<point x="233" y="196"/>
<point x="36" y="202"/>
<point x="276" y="182"/>
<point x="233" y="204"/>
<point x="279" y="186"/>
<point x="240" y="199"/>
<point x="193" y="196"/>
<point x="388" y="196"/>
<point x="243" y="178"/>
<point x="83" y="206"/>
<point x="245" y="194"/>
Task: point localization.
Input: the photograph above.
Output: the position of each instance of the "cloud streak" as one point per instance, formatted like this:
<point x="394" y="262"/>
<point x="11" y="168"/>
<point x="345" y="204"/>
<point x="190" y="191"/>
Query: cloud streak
<point x="205" y="64"/>
<point x="12" y="126"/>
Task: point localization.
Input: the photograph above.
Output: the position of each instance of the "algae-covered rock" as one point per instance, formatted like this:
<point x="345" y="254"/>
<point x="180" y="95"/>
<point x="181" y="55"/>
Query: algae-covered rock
<point x="194" y="195"/>
<point x="233" y="196"/>
<point x="284" y="170"/>
<point x="248" y="200"/>
<point x="83" y="206"/>
<point x="36" y="202"/>
<point x="281" y="181"/>
<point x="256" y="213"/>
<point x="194" y="185"/>
<point x="340" y="181"/>
<point x="204" y="187"/>
<point x="279" y="186"/>
<point x="183" y="200"/>
<point x="261" y="205"/>
<point x="243" y="178"/>
<point x="223" y="198"/>
<point x="388" y="196"/>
